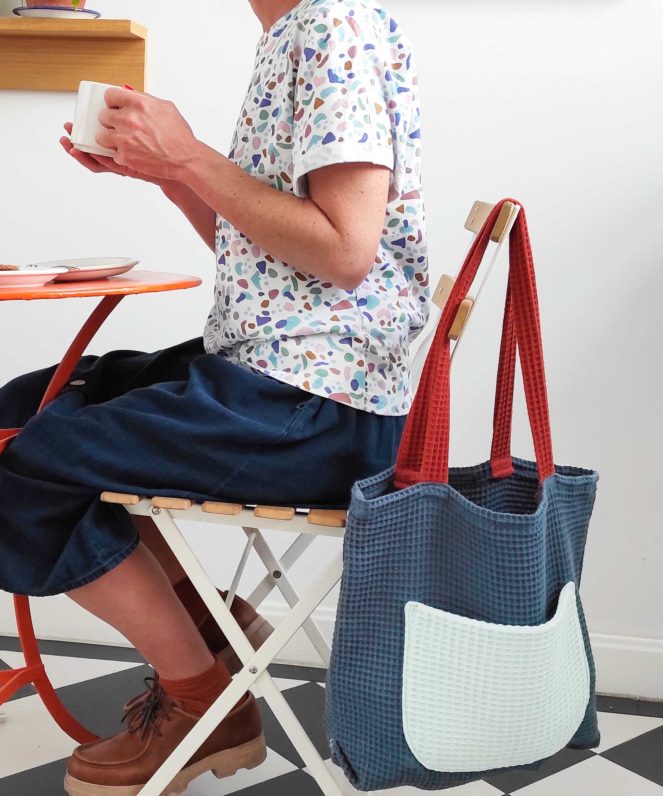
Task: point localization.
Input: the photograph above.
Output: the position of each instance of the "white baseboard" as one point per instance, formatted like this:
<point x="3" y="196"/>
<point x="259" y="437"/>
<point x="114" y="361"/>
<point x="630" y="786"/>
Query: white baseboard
<point x="626" y="666"/>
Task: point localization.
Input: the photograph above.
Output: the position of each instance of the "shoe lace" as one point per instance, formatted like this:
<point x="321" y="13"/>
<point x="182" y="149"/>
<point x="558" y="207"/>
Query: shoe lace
<point x="143" y="712"/>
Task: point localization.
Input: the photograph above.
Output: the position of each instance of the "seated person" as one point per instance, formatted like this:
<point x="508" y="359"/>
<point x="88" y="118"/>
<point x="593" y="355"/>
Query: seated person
<point x="298" y="387"/>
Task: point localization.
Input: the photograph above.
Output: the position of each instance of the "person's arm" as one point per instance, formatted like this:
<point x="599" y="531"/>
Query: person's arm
<point x="201" y="216"/>
<point x="333" y="234"/>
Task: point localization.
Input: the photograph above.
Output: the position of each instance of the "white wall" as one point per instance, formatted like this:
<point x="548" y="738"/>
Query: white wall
<point x="555" y="102"/>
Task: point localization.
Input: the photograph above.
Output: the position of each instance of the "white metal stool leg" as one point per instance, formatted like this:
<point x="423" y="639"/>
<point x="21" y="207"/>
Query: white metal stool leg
<point x="255" y="665"/>
<point x="288" y="559"/>
<point x="286" y="588"/>
<point x="232" y="591"/>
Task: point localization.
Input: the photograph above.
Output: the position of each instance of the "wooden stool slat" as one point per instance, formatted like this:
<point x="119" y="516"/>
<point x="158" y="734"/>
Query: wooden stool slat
<point x="213" y="507"/>
<point x="329" y="518"/>
<point x="179" y="504"/>
<point x="274" y="512"/>
<point x="119" y="498"/>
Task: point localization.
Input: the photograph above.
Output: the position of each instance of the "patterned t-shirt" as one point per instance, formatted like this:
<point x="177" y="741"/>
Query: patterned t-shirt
<point x="334" y="82"/>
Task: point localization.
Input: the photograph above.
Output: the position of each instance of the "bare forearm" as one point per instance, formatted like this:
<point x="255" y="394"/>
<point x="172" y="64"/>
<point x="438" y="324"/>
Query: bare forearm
<point x="333" y="234"/>
<point x="201" y="215"/>
<point x="293" y="230"/>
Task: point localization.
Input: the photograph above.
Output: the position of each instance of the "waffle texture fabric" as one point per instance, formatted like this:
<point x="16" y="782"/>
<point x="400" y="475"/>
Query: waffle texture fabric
<point x="492" y="550"/>
<point x="473" y="691"/>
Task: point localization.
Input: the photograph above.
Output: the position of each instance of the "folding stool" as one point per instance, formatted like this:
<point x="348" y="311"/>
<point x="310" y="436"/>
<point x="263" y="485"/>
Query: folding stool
<point x="308" y="524"/>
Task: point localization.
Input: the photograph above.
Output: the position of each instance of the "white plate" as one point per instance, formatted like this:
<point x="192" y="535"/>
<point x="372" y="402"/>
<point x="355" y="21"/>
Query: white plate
<point x="87" y="268"/>
<point x="28" y="278"/>
<point x="54" y="12"/>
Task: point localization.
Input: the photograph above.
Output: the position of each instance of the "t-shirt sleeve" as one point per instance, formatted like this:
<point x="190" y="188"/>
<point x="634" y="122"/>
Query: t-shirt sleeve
<point x="341" y="112"/>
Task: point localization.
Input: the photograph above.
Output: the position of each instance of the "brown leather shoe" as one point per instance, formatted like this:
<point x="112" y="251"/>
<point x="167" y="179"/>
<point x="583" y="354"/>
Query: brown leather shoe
<point x="121" y="765"/>
<point x="256" y="627"/>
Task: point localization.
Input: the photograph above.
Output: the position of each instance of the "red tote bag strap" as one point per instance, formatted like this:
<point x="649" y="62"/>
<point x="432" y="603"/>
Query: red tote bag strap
<point x="424" y="450"/>
<point x="501" y="463"/>
<point x="530" y="345"/>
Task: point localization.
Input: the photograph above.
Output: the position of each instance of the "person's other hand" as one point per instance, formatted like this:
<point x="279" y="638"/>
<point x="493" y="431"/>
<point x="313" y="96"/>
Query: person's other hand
<point x="149" y="134"/>
<point x="103" y="165"/>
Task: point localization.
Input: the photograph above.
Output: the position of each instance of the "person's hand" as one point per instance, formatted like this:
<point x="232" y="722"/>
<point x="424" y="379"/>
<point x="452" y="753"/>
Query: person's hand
<point x="149" y="134"/>
<point x="102" y="165"/>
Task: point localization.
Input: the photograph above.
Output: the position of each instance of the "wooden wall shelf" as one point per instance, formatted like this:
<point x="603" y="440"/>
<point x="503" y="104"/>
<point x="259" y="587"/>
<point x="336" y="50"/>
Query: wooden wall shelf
<point x="56" y="54"/>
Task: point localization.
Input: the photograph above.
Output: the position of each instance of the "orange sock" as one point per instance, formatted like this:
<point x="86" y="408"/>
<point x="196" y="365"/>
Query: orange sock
<point x="196" y="694"/>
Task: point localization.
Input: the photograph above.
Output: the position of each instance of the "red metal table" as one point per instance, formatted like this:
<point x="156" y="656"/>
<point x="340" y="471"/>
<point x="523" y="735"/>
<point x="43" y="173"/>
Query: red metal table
<point x="113" y="291"/>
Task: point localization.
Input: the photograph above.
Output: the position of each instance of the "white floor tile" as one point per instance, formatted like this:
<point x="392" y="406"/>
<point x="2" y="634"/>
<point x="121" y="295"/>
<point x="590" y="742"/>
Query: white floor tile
<point x="471" y="789"/>
<point x="593" y="777"/>
<point x="274" y="766"/>
<point x="29" y="737"/>
<point x="63" y="671"/>
<point x="617" y="728"/>
<point x="284" y="685"/>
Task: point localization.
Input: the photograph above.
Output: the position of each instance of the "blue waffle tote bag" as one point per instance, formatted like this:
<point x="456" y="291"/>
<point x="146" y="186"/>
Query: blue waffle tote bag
<point x="460" y="647"/>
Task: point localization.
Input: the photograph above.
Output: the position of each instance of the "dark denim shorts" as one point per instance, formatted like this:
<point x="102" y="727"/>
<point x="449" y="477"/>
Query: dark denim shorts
<point x="178" y="422"/>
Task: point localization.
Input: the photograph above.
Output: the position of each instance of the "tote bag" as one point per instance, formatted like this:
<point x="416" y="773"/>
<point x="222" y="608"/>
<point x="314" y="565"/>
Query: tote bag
<point x="460" y="647"/>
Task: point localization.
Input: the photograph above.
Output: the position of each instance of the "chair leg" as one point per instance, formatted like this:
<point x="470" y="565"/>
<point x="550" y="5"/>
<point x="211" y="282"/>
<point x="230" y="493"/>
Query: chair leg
<point x="232" y="591"/>
<point x="286" y="588"/>
<point x="39" y="677"/>
<point x="288" y="559"/>
<point x="255" y="664"/>
<point x="300" y="740"/>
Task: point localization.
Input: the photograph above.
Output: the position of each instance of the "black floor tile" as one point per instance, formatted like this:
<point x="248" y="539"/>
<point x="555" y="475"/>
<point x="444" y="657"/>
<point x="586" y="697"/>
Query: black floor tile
<point x="512" y="781"/>
<point x="313" y="674"/>
<point x="642" y="755"/>
<point x="631" y="707"/>
<point x="98" y="652"/>
<point x="27" y="690"/>
<point x="276" y="737"/>
<point x="307" y="702"/>
<point x="42" y="781"/>
<point x="297" y="783"/>
<point x="97" y="704"/>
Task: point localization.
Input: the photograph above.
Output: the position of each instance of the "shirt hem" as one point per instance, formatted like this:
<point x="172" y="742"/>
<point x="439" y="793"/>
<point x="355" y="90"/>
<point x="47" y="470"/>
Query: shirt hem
<point x="294" y="381"/>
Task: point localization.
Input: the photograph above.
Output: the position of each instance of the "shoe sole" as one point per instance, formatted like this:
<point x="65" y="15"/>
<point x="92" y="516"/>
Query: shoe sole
<point x="257" y="633"/>
<point x="223" y="764"/>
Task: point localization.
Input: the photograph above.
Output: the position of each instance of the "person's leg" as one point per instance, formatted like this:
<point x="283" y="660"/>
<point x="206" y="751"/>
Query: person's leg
<point x="256" y="627"/>
<point x="54" y="530"/>
<point x="170" y="437"/>
<point x="20" y="397"/>
<point x="136" y="597"/>
<point x="129" y="597"/>
<point x="155" y="543"/>
<point x="223" y="433"/>
<point x="107" y="377"/>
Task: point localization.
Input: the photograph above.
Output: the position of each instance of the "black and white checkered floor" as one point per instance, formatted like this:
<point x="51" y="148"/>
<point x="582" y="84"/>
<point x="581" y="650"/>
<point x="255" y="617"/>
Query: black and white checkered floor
<point x="95" y="681"/>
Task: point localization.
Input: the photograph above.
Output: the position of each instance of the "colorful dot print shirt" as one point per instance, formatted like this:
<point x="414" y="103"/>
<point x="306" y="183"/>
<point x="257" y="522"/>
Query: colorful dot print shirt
<point x="334" y="82"/>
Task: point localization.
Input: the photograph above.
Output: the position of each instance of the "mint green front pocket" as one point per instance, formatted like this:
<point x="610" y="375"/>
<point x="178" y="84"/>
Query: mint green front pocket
<point x="479" y="696"/>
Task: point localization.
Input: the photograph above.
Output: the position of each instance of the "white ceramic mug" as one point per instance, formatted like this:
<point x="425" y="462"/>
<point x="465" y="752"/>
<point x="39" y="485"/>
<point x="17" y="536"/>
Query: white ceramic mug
<point x="89" y="104"/>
